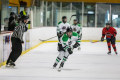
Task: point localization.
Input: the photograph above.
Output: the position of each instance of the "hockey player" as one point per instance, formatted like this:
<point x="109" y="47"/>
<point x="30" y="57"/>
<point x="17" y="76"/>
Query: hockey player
<point x="67" y="47"/>
<point x="77" y="28"/>
<point x="17" y="41"/>
<point x="61" y="29"/>
<point x="110" y="34"/>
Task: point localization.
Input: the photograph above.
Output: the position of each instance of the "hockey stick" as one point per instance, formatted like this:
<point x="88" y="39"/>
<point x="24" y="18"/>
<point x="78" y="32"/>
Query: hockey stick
<point x="71" y="18"/>
<point x="47" y="39"/>
<point x="96" y="41"/>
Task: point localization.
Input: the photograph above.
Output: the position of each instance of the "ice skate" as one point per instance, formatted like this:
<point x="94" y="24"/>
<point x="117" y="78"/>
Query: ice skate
<point x="79" y="48"/>
<point x="11" y="63"/>
<point x="54" y="66"/>
<point x="61" y="66"/>
<point x="109" y="53"/>
<point x="116" y="53"/>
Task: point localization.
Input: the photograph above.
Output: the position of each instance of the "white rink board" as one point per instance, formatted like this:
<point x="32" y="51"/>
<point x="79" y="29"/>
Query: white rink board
<point x="1" y="48"/>
<point x="48" y="32"/>
<point x="91" y="63"/>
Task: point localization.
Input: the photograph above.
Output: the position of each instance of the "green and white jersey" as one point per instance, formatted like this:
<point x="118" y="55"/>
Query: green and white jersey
<point x="67" y="42"/>
<point x="76" y="28"/>
<point x="62" y="27"/>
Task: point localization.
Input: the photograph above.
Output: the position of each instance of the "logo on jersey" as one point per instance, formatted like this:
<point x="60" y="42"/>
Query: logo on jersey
<point x="108" y="34"/>
<point x="74" y="29"/>
<point x="69" y="43"/>
<point x="64" y="27"/>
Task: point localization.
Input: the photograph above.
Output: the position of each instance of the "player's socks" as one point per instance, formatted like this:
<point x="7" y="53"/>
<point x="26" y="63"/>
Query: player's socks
<point x="109" y="46"/>
<point x="56" y="62"/>
<point x="114" y="47"/>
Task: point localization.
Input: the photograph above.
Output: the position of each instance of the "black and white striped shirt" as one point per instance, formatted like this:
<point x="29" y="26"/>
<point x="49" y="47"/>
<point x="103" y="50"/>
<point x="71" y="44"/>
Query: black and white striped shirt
<point x="19" y="31"/>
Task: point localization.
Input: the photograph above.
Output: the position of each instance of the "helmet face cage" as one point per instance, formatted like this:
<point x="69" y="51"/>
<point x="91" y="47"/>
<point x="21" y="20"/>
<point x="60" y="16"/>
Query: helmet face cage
<point x="12" y="14"/>
<point x="108" y="24"/>
<point x="69" y="29"/>
<point x="75" y="20"/>
<point x="24" y="17"/>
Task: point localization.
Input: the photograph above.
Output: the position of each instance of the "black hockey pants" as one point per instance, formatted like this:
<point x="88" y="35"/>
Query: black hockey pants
<point x="16" y="50"/>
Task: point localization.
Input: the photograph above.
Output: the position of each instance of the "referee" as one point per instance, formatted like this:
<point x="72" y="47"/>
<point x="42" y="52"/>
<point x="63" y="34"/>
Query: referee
<point x="17" y="41"/>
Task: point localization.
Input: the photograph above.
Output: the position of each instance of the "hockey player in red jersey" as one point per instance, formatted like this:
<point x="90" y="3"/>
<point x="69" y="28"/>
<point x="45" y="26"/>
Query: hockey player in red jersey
<point x="110" y="34"/>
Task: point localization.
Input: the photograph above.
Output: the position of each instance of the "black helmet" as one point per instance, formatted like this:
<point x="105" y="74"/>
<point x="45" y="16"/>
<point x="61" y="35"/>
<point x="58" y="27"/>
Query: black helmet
<point x="25" y="17"/>
<point x="64" y="17"/>
<point x="12" y="13"/>
<point x="16" y="16"/>
<point x="107" y="23"/>
<point x="19" y="20"/>
<point x="75" y="20"/>
<point x="69" y="29"/>
<point x="19" y="15"/>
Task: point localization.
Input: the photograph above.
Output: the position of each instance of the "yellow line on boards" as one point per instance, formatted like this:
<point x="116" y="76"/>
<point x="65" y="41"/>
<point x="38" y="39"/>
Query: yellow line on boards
<point x="81" y="41"/>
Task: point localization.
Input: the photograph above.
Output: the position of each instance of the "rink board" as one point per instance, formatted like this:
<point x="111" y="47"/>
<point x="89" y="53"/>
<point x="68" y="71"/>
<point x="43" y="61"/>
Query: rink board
<point x="32" y="36"/>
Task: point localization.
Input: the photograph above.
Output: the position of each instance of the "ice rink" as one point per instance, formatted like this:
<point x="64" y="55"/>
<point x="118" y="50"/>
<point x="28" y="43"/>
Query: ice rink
<point x="90" y="63"/>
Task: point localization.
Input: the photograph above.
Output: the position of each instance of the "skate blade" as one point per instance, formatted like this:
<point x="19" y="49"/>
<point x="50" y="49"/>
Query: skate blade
<point x="59" y="70"/>
<point x="109" y="54"/>
<point x="7" y="66"/>
<point x="79" y="49"/>
<point x="10" y="67"/>
<point x="54" y="67"/>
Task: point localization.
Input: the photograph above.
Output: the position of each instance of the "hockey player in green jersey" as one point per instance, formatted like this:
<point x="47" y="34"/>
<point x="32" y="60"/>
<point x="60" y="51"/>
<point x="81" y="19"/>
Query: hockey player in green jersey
<point x="77" y="28"/>
<point x="67" y="48"/>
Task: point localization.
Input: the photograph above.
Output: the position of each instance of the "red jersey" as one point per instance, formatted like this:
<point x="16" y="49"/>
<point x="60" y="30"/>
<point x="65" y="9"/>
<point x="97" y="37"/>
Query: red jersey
<point x="109" y="32"/>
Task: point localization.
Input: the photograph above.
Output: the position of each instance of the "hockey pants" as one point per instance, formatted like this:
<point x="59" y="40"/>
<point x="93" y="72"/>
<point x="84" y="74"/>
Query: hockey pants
<point x="111" y="41"/>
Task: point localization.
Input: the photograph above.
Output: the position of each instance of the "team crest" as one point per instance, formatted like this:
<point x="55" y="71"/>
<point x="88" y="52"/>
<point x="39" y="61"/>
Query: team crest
<point x="70" y="42"/>
<point x="108" y="34"/>
<point x="74" y="29"/>
<point x="64" y="27"/>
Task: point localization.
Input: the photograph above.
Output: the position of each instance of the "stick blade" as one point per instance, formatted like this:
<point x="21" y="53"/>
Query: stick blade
<point x="41" y="40"/>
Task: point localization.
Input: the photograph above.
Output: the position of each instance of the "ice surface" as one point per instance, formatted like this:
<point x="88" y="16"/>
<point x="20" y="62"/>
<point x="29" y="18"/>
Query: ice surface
<point x="91" y="63"/>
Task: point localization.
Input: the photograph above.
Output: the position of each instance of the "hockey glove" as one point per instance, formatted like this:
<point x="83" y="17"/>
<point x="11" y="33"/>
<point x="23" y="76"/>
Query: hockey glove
<point x="113" y="36"/>
<point x="102" y="39"/>
<point x="78" y="32"/>
<point x="22" y="42"/>
<point x="76" y="45"/>
<point x="59" y="34"/>
<point x="69" y="50"/>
